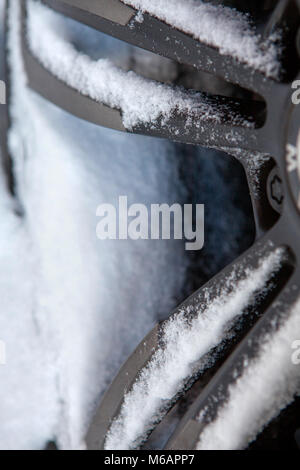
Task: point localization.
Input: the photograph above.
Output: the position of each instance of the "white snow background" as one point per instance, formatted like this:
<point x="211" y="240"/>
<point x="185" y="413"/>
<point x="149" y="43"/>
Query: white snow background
<point x="72" y="314"/>
<point x="73" y="308"/>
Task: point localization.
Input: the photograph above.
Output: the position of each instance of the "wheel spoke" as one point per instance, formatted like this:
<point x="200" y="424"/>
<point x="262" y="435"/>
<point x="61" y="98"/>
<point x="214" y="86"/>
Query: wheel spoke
<point x="161" y="38"/>
<point x="261" y="172"/>
<point x="188" y="434"/>
<point x="67" y="98"/>
<point x="210" y="121"/>
<point x="113" y="399"/>
<point x="135" y="382"/>
<point x="215" y="400"/>
<point x="198" y="118"/>
<point x="181" y="126"/>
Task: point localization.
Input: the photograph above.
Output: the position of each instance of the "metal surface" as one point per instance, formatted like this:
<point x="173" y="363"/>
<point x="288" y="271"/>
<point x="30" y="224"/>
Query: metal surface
<point x="275" y="195"/>
<point x="113" y="399"/>
<point x="56" y="91"/>
<point x="179" y="127"/>
<point x="70" y="100"/>
<point x="110" y="405"/>
<point x="112" y="10"/>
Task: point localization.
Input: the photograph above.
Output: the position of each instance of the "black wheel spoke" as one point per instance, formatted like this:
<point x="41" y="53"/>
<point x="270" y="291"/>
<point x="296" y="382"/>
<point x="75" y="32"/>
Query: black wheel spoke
<point x="207" y="120"/>
<point x="213" y="121"/>
<point x="210" y="405"/>
<point x="67" y="98"/>
<point x="217" y="131"/>
<point x="222" y="285"/>
<point x="113" y="399"/>
<point x="151" y="35"/>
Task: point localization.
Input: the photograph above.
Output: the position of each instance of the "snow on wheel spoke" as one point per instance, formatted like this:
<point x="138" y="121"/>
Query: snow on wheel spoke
<point x="224" y="28"/>
<point x="141" y="101"/>
<point x="187" y="338"/>
<point x="269" y="384"/>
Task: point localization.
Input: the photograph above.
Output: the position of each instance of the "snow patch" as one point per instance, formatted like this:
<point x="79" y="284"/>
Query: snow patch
<point x="67" y="299"/>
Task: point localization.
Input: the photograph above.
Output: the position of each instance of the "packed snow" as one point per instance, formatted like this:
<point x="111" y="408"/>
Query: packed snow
<point x="139" y="99"/>
<point x="269" y="383"/>
<point x="67" y="299"/>
<point x="187" y="338"/>
<point x="224" y="28"/>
